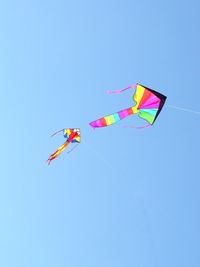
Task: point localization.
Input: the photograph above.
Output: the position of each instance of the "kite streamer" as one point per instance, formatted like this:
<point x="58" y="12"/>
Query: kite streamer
<point x="122" y="90"/>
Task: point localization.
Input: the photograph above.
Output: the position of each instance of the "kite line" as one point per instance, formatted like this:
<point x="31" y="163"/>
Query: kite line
<point x="185" y="109"/>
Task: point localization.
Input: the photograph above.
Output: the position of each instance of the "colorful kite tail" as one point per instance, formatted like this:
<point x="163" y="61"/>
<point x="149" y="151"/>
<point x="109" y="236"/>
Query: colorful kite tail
<point x="114" y="117"/>
<point x="121" y="90"/>
<point x="57" y="152"/>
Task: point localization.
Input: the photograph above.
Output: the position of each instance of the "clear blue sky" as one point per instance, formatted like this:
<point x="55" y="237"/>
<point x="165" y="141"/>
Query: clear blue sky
<point x="124" y="197"/>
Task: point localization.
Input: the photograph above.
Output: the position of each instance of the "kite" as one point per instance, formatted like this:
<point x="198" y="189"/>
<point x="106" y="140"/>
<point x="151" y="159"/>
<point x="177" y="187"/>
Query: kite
<point x="149" y="104"/>
<point x="72" y="135"/>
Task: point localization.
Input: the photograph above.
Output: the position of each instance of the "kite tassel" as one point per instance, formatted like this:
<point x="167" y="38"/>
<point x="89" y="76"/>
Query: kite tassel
<point x="121" y="90"/>
<point x="137" y="127"/>
<point x="48" y="161"/>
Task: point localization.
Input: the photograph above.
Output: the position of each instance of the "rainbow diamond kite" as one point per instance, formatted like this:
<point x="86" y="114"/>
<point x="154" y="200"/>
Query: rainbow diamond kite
<point x="72" y="135"/>
<point x="148" y="105"/>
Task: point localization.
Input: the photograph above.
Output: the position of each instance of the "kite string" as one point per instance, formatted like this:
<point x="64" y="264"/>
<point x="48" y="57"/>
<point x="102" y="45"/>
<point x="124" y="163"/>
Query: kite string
<point x="121" y="90"/>
<point x="57" y="132"/>
<point x="72" y="148"/>
<point x="184" y="109"/>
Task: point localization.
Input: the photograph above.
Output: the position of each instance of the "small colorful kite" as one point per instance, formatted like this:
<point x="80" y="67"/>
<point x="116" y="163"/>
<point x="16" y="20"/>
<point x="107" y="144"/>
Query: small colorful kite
<point x="72" y="135"/>
<point x="148" y="105"/>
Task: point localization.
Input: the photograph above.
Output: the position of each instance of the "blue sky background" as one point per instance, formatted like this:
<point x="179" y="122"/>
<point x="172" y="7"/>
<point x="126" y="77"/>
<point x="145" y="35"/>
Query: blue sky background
<point x="124" y="197"/>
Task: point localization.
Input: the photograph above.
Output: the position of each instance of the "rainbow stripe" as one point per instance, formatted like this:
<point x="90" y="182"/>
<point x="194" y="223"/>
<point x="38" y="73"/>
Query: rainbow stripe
<point x="113" y="118"/>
